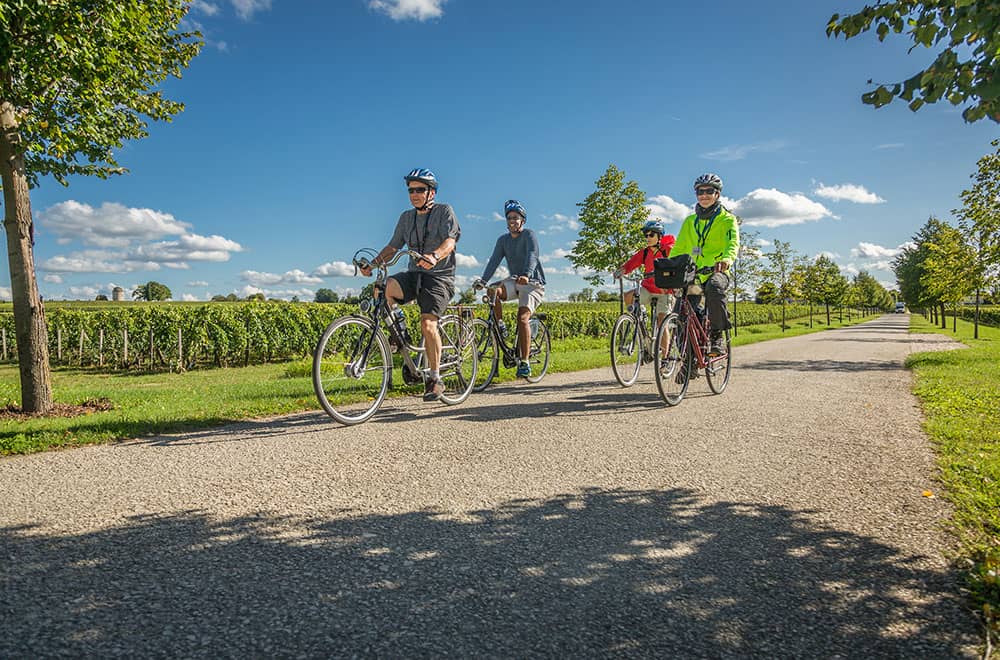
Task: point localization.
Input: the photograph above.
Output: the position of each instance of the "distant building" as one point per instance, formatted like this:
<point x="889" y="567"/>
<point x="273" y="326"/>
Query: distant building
<point x="118" y="293"/>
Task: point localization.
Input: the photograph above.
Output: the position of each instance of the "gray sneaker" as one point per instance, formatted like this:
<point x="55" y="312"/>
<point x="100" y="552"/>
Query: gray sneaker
<point x="433" y="389"/>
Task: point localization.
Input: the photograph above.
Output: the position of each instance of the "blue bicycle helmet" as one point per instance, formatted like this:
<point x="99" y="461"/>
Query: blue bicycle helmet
<point x="653" y="225"/>
<point x="424" y="175"/>
<point x="514" y="205"/>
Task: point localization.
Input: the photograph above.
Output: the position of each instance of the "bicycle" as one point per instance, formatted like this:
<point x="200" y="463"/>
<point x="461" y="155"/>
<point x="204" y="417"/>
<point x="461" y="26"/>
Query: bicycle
<point x="684" y="334"/>
<point x="632" y="337"/>
<point x="353" y="364"/>
<point x="492" y="345"/>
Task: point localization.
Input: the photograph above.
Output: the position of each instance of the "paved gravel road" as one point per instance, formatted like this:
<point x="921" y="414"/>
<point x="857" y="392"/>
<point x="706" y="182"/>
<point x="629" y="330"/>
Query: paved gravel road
<point x="784" y="518"/>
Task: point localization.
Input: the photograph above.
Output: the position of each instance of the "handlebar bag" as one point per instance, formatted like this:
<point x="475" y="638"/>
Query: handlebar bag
<point x="673" y="272"/>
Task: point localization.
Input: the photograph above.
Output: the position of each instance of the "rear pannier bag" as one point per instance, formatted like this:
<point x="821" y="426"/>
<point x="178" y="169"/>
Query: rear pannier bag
<point x="673" y="272"/>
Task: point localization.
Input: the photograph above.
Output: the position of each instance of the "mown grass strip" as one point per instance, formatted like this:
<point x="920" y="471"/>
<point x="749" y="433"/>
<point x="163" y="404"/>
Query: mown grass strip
<point x="960" y="393"/>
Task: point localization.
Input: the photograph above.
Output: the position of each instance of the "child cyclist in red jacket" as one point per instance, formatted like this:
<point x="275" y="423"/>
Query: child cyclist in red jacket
<point x="658" y="245"/>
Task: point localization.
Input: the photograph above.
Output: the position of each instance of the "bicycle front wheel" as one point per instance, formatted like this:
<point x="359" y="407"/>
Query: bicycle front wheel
<point x="540" y="349"/>
<point x="351" y="369"/>
<point x="486" y="347"/>
<point x="459" y="358"/>
<point x="626" y="352"/>
<point x="672" y="361"/>
<point x="718" y="369"/>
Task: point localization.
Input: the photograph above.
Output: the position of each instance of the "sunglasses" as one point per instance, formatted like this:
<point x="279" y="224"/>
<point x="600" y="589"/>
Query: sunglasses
<point x="647" y="234"/>
<point x="513" y="218"/>
<point x="705" y="191"/>
<point x="416" y="191"/>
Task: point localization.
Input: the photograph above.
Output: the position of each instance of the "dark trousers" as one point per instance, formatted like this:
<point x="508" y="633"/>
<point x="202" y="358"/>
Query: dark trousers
<point x="715" y="288"/>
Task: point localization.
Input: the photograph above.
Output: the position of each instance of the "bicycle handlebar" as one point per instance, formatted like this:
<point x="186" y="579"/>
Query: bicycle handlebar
<point x="368" y="256"/>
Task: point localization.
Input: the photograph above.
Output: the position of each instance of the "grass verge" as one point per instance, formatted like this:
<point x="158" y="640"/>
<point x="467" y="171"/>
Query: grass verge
<point x="960" y="393"/>
<point x="168" y="402"/>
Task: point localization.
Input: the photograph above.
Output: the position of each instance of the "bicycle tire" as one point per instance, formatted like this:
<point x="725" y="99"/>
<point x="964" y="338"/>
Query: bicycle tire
<point x="348" y="391"/>
<point x="626" y="353"/>
<point x="541" y="344"/>
<point x="459" y="359"/>
<point x="489" y="355"/>
<point x="718" y="369"/>
<point x="672" y="365"/>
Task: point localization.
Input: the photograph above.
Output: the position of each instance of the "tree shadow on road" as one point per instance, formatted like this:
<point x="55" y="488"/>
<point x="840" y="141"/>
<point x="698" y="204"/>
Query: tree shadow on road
<point x="850" y="366"/>
<point x="652" y="573"/>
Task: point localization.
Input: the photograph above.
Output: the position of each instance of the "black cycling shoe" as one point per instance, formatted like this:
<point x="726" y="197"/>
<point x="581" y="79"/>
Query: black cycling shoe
<point x="717" y="346"/>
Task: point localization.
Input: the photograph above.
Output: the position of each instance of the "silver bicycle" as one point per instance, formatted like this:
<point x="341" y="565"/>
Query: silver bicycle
<point x="353" y="361"/>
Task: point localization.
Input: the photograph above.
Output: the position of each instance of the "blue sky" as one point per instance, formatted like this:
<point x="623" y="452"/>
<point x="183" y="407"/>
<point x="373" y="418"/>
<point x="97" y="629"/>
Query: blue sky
<point x="302" y="117"/>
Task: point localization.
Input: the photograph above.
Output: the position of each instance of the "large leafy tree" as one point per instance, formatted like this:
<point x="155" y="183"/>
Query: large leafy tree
<point x="77" y="79"/>
<point x="948" y="270"/>
<point x="910" y="264"/>
<point x="152" y="291"/>
<point x="966" y="69"/>
<point x="782" y="269"/>
<point x="979" y="219"/>
<point x="611" y="218"/>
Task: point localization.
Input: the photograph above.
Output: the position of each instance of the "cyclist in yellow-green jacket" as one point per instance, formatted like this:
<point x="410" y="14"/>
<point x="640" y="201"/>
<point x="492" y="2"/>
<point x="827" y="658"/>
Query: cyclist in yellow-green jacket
<point x="711" y="236"/>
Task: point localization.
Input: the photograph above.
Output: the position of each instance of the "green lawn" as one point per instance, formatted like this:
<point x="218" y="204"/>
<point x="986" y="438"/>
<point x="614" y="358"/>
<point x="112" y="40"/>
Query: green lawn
<point x="960" y="393"/>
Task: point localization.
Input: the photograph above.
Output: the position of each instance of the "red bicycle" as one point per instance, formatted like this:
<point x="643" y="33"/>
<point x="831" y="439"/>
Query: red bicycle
<point x="684" y="335"/>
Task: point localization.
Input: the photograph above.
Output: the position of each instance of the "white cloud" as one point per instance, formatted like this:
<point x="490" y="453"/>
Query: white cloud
<point x="187" y="297"/>
<point x="270" y="279"/>
<point x="466" y="261"/>
<point x="848" y="192"/>
<point x="502" y="273"/>
<point x="198" y="283"/>
<point x="890" y="145"/>
<point x="93" y="261"/>
<point x="207" y="8"/>
<point x="473" y="216"/>
<point x="881" y="265"/>
<point x="189" y="247"/>
<point x="497" y="217"/>
<point x="667" y="209"/>
<point x="763" y="242"/>
<point x="283" y="294"/>
<point x="558" y="253"/>
<point x="741" y="151"/>
<point x="849" y="269"/>
<point x="401" y="10"/>
<point x="335" y="269"/>
<point x="110" y="225"/>
<point x="53" y="279"/>
<point x="873" y="251"/>
<point x="5" y="293"/>
<point x="561" y="222"/>
<point x="87" y="292"/>
<point x="832" y="256"/>
<point x="768" y="207"/>
<point x="245" y="9"/>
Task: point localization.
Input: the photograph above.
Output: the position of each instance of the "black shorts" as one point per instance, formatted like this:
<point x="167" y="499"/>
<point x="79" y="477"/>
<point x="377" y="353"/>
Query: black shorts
<point x="433" y="293"/>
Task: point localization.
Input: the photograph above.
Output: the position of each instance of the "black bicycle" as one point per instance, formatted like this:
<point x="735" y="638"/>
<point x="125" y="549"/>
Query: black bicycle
<point x="352" y="364"/>
<point x="492" y="344"/>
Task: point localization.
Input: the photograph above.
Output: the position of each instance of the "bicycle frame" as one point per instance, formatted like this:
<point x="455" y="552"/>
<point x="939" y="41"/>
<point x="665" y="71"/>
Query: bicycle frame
<point x="696" y="331"/>
<point x="379" y="310"/>
<point x="510" y="355"/>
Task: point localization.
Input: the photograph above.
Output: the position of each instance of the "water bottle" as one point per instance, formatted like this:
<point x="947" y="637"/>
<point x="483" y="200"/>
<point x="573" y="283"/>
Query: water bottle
<point x="502" y="327"/>
<point x="399" y="321"/>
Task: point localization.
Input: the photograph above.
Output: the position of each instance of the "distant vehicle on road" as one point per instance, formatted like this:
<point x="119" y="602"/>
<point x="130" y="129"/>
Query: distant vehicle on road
<point x="900" y="308"/>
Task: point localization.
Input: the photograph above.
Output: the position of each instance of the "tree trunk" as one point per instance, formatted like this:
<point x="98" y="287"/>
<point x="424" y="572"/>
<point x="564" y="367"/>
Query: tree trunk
<point x="29" y="315"/>
<point x="944" y="318"/>
<point x="828" y="315"/>
<point x="975" y="326"/>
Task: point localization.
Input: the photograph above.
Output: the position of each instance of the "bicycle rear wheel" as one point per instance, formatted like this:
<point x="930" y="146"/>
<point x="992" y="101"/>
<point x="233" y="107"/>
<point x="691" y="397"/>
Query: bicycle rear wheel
<point x="672" y="360"/>
<point x="489" y="355"/>
<point x="718" y="369"/>
<point x="540" y="349"/>
<point x="626" y="352"/>
<point x="351" y="369"/>
<point x="459" y="358"/>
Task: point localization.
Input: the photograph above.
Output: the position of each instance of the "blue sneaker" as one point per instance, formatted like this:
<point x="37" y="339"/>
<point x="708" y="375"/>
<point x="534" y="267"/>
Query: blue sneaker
<point x="524" y="369"/>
